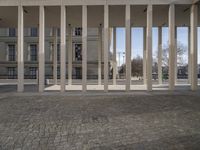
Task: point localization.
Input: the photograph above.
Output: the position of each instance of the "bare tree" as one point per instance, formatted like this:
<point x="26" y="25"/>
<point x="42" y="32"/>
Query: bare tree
<point x="181" y="50"/>
<point x="136" y="67"/>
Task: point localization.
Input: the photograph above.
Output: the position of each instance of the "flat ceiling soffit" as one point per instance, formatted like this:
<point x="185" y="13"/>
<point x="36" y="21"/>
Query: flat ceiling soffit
<point x="199" y="13"/>
<point x="52" y="16"/>
<point x="8" y="16"/>
<point x="90" y="2"/>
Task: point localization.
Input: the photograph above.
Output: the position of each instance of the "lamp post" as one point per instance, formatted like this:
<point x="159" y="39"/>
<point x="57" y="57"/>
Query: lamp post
<point x="123" y="57"/>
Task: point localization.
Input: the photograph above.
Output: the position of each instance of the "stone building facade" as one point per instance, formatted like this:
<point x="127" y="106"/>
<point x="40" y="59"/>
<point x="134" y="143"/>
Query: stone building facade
<point x="8" y="55"/>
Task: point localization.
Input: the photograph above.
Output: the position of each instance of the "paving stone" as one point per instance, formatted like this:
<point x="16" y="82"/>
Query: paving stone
<point x="102" y="122"/>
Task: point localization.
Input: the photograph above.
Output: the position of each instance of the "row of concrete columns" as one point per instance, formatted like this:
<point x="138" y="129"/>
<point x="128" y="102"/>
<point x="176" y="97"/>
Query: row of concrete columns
<point x="104" y="44"/>
<point x="114" y="56"/>
<point x="160" y="53"/>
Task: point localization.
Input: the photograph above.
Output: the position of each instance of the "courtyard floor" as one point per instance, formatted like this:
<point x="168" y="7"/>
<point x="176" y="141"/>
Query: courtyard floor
<point x="100" y="121"/>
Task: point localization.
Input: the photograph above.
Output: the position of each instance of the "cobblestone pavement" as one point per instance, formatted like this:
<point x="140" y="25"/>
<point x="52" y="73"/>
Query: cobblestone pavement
<point x="144" y="121"/>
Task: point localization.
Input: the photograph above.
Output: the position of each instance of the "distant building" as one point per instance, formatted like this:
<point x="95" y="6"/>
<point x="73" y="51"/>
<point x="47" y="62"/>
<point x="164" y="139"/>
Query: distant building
<point x="8" y="55"/>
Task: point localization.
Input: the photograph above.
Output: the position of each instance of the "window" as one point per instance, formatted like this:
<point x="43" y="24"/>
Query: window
<point x="12" y="73"/>
<point x="12" y="32"/>
<point x="58" y="52"/>
<point x="11" y="52"/>
<point x="78" y="31"/>
<point x="33" y="52"/>
<point x="58" y="32"/>
<point x="34" y="32"/>
<point x="78" y="71"/>
<point x="78" y="52"/>
<point x="33" y="72"/>
<point x="58" y="71"/>
<point x="199" y="69"/>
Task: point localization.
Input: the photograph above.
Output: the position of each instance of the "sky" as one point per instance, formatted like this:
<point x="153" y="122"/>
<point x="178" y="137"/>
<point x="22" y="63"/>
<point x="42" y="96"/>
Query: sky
<point x="137" y="42"/>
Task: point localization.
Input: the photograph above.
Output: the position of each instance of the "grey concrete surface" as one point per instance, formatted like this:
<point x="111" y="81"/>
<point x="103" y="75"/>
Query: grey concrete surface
<point x="98" y="121"/>
<point x="31" y="86"/>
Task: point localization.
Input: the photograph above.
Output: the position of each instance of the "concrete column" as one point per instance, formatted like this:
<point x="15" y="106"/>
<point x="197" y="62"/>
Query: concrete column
<point x="189" y="59"/>
<point x="176" y="65"/>
<point x="106" y="46"/>
<point x="41" y="48"/>
<point x="110" y="38"/>
<point x="99" y="55"/>
<point x="84" y="50"/>
<point x="114" y="56"/>
<point x="70" y="55"/>
<point x="55" y="62"/>
<point x="20" y="41"/>
<point x="193" y="46"/>
<point x="128" y="47"/>
<point x="172" y="51"/>
<point x="149" y="47"/>
<point x="63" y="49"/>
<point x="144" y="57"/>
<point x="160" y="55"/>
